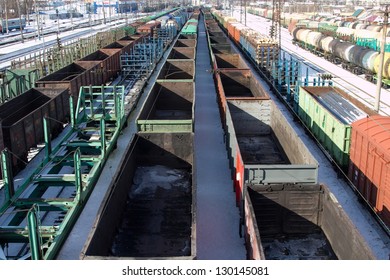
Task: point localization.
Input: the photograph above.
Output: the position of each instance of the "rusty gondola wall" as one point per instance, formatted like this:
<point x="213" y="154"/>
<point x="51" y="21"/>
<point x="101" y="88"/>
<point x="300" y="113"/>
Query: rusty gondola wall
<point x="62" y="55"/>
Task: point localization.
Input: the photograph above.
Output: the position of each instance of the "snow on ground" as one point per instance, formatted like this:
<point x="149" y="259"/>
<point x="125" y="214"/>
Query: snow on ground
<point x="374" y="235"/>
<point x="352" y="84"/>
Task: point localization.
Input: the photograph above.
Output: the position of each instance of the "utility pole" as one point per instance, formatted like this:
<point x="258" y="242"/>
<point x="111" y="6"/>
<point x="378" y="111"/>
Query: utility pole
<point x="381" y="59"/>
<point x="71" y="13"/>
<point x="241" y="11"/>
<point x="245" y="11"/>
<point x="37" y="15"/>
<point x="20" y="22"/>
<point x="275" y="30"/>
<point x="6" y="17"/>
<point x="104" y="13"/>
<point x="109" y="9"/>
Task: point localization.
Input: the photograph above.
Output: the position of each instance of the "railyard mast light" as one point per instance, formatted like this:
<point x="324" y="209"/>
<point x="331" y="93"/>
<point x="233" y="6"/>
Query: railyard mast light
<point x="381" y="59"/>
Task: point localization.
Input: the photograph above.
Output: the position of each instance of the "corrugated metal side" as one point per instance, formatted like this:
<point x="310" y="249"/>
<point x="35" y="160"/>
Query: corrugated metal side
<point x="25" y="130"/>
<point x="286" y="209"/>
<point x="369" y="168"/>
<point x="111" y="65"/>
<point x="329" y="131"/>
<point x="182" y="53"/>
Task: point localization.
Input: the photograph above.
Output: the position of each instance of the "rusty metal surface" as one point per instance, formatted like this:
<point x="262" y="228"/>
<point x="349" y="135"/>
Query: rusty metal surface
<point x="177" y="70"/>
<point x="182" y="53"/>
<point x="169" y="100"/>
<point x="189" y="43"/>
<point x="240" y="83"/>
<point x="233" y="61"/>
<point x="157" y="218"/>
<point x="222" y="48"/>
<point x="261" y="150"/>
<point x="155" y="213"/>
<point x="218" y="40"/>
<point x="22" y="125"/>
<point x="301" y="222"/>
<point x="288" y="220"/>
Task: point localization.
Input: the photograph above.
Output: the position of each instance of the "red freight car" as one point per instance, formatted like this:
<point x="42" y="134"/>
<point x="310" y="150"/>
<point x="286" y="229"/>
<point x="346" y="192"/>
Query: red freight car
<point x="369" y="167"/>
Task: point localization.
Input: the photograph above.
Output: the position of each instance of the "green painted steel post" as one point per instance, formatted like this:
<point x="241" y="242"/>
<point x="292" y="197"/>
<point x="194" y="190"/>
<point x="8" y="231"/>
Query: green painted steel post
<point x="78" y="174"/>
<point x="46" y="132"/>
<point x="33" y="234"/>
<point x="7" y="175"/>
<point x="116" y="103"/>
<point x="72" y="113"/>
<point x="91" y="97"/>
<point x="103" y="137"/>
<point x="103" y="100"/>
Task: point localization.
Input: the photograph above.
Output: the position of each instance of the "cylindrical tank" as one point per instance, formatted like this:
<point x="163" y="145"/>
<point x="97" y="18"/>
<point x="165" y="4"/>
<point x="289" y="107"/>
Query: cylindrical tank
<point x="326" y="42"/>
<point x="362" y="33"/>
<point x="313" y="25"/>
<point x="386" y="65"/>
<point x="361" y="26"/>
<point x="353" y="24"/>
<point x="360" y="56"/>
<point x="302" y="34"/>
<point x="375" y="28"/>
<point x="368" y="60"/>
<point x="342" y="49"/>
<point x="291" y="26"/>
<point x="314" y="38"/>
<point x="345" y="31"/>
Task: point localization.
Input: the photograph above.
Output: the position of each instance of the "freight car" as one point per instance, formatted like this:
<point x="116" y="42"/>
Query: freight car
<point x="153" y="196"/>
<point x="21" y="121"/>
<point x="330" y="115"/>
<point x="369" y="163"/>
<point x="281" y="220"/>
<point x="357" y="59"/>
<point x="53" y="196"/>
<point x="329" y="112"/>
<point x="11" y="24"/>
<point x="262" y="49"/>
<point x="169" y="107"/>
<point x="275" y="180"/>
<point x="182" y="53"/>
<point x="36" y="216"/>
<point x="98" y="68"/>
<point x="147" y="214"/>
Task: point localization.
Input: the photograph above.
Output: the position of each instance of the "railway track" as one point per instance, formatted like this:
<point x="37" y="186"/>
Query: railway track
<point x="54" y="194"/>
<point x="356" y="86"/>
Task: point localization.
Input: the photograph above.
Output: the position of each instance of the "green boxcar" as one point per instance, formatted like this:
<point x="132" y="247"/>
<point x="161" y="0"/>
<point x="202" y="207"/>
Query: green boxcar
<point x="333" y="133"/>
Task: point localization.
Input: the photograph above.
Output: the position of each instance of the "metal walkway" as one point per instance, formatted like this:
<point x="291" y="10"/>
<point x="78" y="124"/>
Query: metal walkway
<point x="217" y="216"/>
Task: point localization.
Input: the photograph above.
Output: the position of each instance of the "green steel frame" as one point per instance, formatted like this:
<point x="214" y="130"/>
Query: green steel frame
<point x="37" y="216"/>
